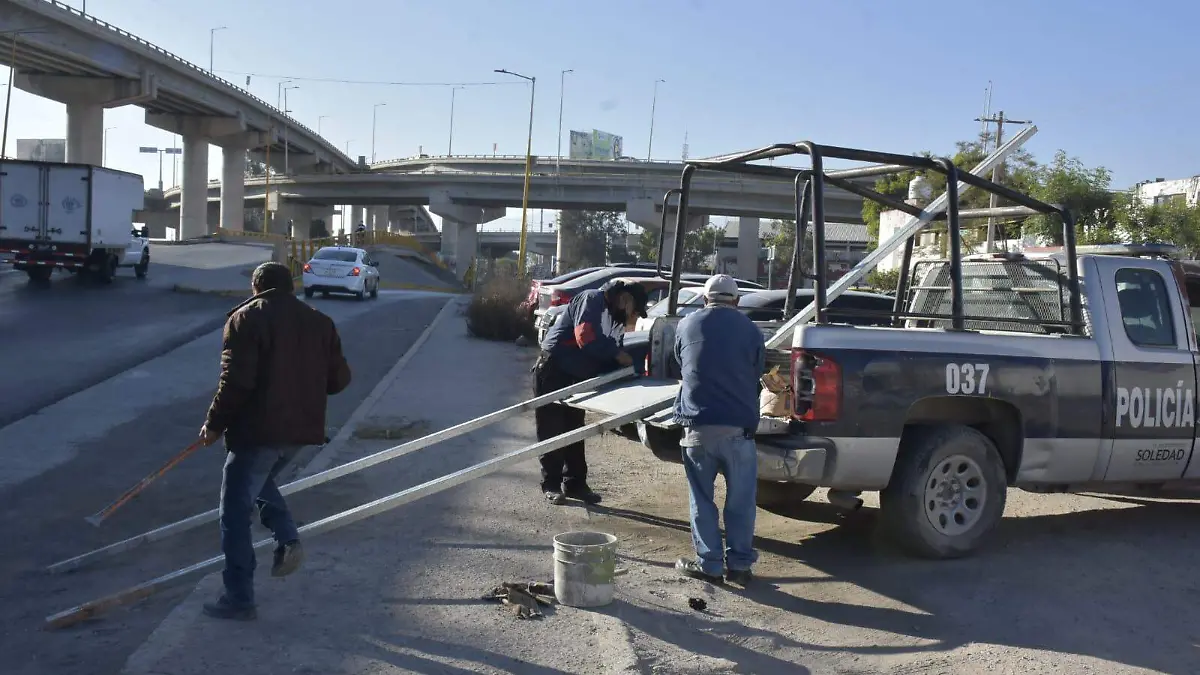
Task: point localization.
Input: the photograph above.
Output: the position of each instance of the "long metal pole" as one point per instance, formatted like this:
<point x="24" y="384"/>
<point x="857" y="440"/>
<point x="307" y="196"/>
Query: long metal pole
<point x="528" y="174"/>
<point x="160" y="185"/>
<point x="653" y="105"/>
<point x="93" y="608"/>
<point x="287" y="167"/>
<point x="450" y="146"/>
<point x="8" y="99"/>
<point x="353" y="467"/>
<point x="562" y="83"/>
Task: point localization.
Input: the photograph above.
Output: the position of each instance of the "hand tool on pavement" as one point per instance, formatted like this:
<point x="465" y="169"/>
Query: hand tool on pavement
<point x="104" y="513"/>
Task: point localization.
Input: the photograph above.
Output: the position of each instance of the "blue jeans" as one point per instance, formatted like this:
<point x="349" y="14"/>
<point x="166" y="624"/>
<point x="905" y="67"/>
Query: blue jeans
<point x="737" y="459"/>
<point x="249" y="481"/>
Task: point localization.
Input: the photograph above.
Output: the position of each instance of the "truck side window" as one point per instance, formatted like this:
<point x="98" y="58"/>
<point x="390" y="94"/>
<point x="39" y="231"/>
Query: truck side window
<point x="1145" y="307"/>
<point x="1193" y="291"/>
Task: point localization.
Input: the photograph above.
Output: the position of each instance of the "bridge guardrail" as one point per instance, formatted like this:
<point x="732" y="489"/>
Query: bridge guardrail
<point x="150" y="45"/>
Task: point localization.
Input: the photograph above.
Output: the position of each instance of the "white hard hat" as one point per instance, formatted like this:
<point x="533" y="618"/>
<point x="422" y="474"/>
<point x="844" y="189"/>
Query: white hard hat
<point x="720" y="287"/>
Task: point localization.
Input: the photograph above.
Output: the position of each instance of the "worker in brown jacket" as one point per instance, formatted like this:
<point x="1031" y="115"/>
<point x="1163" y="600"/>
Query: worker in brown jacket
<point x="279" y="361"/>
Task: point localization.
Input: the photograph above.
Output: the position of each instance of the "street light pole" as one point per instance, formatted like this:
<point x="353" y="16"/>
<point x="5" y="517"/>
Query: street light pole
<point x="450" y="147"/>
<point x="374" y="117"/>
<point x="212" y="34"/>
<point x="287" y="170"/>
<point x="562" y="81"/>
<point x="104" y="149"/>
<point x="528" y="169"/>
<point x="322" y="117"/>
<point x="653" y="105"/>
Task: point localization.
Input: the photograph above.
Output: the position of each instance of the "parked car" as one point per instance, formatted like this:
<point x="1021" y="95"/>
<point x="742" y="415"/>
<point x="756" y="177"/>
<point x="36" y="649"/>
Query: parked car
<point x="656" y="289"/>
<point x="341" y="269"/>
<point x="530" y="305"/>
<point x="560" y="294"/>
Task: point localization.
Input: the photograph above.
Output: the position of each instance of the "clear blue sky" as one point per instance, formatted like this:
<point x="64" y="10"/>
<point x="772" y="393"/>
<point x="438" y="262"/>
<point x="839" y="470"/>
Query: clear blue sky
<point x="1109" y="82"/>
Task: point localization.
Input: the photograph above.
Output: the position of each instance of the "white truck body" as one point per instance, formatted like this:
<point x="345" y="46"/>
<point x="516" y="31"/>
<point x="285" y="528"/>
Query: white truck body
<point x="70" y="216"/>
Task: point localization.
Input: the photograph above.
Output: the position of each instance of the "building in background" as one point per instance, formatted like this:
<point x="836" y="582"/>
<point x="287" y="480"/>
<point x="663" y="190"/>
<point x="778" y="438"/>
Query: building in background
<point x="1160" y="191"/>
<point x="42" y="149"/>
<point x="595" y="144"/>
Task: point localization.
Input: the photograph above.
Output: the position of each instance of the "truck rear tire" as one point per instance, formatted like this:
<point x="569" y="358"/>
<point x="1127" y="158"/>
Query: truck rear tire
<point x="773" y="495"/>
<point x="39" y="274"/>
<point x="946" y="494"/>
<point x="106" y="269"/>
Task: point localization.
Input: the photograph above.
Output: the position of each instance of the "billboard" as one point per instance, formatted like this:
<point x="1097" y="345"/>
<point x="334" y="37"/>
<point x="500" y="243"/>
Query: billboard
<point x="595" y="144"/>
<point x="42" y="149"/>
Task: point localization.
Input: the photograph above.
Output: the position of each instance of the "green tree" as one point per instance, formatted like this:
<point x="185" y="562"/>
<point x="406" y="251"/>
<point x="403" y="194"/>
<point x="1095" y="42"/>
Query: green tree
<point x="590" y="238"/>
<point x="1173" y="223"/>
<point x="1084" y="192"/>
<point x="700" y="246"/>
<point x="884" y="281"/>
<point x="783" y="238"/>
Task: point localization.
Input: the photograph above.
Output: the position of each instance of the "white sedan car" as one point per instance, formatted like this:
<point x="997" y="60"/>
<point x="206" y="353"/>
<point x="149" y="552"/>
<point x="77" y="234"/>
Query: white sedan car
<point x="341" y="269"/>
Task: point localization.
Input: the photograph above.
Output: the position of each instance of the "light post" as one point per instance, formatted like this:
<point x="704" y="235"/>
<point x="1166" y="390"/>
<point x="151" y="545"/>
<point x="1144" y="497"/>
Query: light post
<point x="528" y="168"/>
<point x="562" y="80"/>
<point x="319" y="119"/>
<point x="287" y="170"/>
<point x="212" y="34"/>
<point x="374" y="118"/>
<point x="160" y="152"/>
<point x="653" y="104"/>
<point x="16" y="37"/>
<point x="450" y="147"/>
<point x="104" y="149"/>
<point x="348" y="147"/>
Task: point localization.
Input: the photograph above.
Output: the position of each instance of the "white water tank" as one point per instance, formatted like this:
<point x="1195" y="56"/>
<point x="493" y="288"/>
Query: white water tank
<point x="919" y="191"/>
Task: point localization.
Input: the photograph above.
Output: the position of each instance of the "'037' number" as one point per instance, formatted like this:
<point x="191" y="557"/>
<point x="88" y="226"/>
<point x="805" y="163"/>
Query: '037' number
<point x="967" y="378"/>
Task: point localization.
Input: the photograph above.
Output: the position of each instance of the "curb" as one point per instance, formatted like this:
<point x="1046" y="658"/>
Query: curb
<point x="323" y="459"/>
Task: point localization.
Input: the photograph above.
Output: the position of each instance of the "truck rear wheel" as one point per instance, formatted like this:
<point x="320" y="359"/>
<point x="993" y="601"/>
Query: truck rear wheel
<point x="946" y="494"/>
<point x="773" y="495"/>
<point x="39" y="274"/>
<point x="107" y="269"/>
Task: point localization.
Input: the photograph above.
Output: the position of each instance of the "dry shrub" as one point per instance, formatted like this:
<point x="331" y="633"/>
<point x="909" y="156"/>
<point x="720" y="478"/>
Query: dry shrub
<point x="493" y="312"/>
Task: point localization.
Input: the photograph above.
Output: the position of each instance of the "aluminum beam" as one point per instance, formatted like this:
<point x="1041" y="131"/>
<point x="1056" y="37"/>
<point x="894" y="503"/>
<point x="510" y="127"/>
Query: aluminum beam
<point x="93" y="608"/>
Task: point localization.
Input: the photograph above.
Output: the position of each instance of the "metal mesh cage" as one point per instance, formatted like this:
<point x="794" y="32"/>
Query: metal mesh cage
<point x="1030" y="293"/>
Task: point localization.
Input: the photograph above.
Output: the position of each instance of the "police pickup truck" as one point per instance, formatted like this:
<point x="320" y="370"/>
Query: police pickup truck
<point x="942" y="422"/>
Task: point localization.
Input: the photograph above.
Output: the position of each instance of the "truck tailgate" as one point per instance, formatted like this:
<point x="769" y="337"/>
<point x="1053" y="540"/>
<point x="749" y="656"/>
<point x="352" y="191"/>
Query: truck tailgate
<point x="67" y="204"/>
<point x="20" y="199"/>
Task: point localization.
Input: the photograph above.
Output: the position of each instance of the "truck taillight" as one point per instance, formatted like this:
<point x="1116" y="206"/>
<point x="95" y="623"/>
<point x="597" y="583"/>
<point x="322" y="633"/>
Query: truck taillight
<point x="356" y="271"/>
<point x="817" y="385"/>
<point x="559" y="298"/>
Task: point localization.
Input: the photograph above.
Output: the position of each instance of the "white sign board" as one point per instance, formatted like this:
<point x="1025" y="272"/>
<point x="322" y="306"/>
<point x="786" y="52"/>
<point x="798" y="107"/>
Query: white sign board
<point x="273" y="201"/>
<point x="42" y="149"/>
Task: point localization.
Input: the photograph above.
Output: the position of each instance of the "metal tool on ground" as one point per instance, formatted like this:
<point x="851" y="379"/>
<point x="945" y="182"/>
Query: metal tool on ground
<point x="349" y="468"/>
<point x="101" y="515"/>
<point x="93" y="608"/>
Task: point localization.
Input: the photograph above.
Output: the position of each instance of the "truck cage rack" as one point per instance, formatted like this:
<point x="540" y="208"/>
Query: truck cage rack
<point x="810" y="205"/>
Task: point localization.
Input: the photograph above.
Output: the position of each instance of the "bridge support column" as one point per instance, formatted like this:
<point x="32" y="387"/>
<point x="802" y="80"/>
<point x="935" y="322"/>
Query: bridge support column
<point x="379" y="219"/>
<point x="85" y="133"/>
<point x="193" y="198"/>
<point x="748" y="246"/>
<point x="356" y="217"/>
<point x="233" y="188"/>
<point x="322" y="221"/>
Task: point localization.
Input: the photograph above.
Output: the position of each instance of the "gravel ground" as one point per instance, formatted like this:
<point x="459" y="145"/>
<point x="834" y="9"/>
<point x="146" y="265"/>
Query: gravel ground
<point x="1070" y="584"/>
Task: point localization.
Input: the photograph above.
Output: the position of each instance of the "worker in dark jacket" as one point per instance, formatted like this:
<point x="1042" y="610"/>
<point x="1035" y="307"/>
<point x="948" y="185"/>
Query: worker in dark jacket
<point x="721" y="356"/>
<point x="585" y="342"/>
<point x="280" y="359"/>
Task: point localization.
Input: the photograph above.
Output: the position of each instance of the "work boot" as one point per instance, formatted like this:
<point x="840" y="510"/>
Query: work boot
<point x="554" y="497"/>
<point x="692" y="568"/>
<point x="287" y="558"/>
<point x="224" y="609"/>
<point x="740" y="577"/>
<point x="583" y="494"/>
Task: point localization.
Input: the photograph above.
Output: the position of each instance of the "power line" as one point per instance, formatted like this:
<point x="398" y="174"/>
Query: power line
<point x="334" y="80"/>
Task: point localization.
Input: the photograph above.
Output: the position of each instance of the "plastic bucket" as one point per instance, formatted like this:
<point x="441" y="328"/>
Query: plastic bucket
<point x="584" y="566"/>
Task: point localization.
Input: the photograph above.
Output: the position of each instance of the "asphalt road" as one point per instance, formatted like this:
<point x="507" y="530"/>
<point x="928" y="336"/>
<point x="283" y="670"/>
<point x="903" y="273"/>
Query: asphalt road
<point x="66" y="336"/>
<point x="77" y="455"/>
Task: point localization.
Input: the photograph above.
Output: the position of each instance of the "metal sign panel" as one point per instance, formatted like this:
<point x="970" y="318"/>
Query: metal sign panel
<point x="595" y="144"/>
<point x="42" y="149"/>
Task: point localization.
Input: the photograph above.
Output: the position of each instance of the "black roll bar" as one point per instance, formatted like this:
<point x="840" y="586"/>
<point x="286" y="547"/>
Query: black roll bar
<point x="662" y="230"/>
<point x="803" y="201"/>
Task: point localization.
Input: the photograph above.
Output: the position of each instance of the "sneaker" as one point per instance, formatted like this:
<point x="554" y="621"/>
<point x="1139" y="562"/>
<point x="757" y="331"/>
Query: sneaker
<point x="692" y="568"/>
<point x="223" y="609"/>
<point x="287" y="559"/>
<point x="554" y="497"/>
<point x="739" y="577"/>
<point x="583" y="494"/>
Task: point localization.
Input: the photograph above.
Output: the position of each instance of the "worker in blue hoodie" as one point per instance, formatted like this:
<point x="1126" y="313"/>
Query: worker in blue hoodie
<point x="721" y="356"/>
<point x="584" y="343"/>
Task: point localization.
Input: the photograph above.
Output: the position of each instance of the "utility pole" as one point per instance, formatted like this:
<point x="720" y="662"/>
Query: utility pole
<point x="997" y="173"/>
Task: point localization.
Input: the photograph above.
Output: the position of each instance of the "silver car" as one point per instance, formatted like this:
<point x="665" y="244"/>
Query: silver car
<point x="341" y="269"/>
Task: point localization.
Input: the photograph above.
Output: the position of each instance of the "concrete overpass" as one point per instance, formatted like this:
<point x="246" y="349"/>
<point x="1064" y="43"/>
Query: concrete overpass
<point x="76" y="59"/>
<point x="468" y="191"/>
